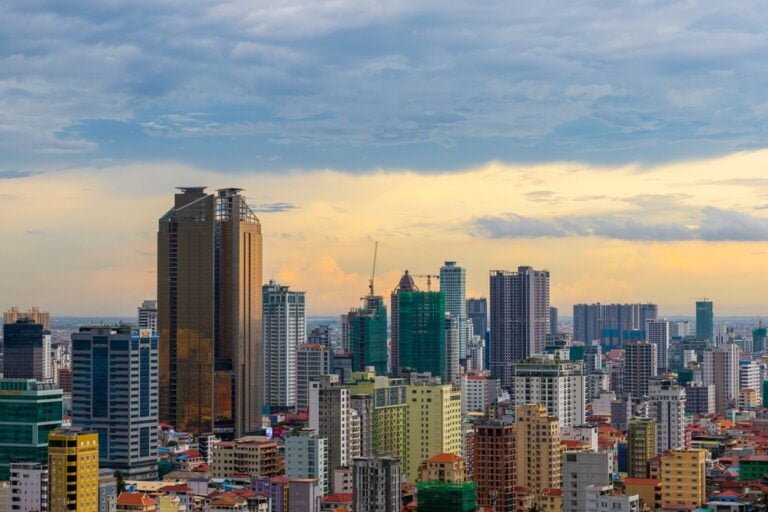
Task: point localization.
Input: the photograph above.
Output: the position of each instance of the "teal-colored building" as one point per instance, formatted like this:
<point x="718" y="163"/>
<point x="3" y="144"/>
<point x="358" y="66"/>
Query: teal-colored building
<point x="705" y="320"/>
<point x="422" y="338"/>
<point x="368" y="335"/>
<point x="759" y="335"/>
<point x="435" y="496"/>
<point x="753" y="467"/>
<point x="30" y="410"/>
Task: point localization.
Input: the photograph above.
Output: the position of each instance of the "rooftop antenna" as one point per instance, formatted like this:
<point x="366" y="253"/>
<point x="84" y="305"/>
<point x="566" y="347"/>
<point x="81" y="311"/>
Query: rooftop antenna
<point x="373" y="270"/>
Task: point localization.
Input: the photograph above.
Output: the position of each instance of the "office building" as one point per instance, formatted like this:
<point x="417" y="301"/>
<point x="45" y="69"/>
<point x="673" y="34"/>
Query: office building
<point x="699" y="398"/>
<point x="421" y="332"/>
<point x="477" y="315"/>
<point x="305" y="458"/>
<point x="115" y="393"/>
<point x="554" y="383"/>
<point x="329" y="416"/>
<point x="705" y="320"/>
<point x="147" y="315"/>
<point x="519" y="318"/>
<point x="452" y="368"/>
<point x="759" y="336"/>
<point x="367" y="332"/>
<point x="720" y="366"/>
<point x="666" y="404"/>
<point x="383" y="410"/>
<point x="553" y="321"/>
<point x="26" y="351"/>
<point x="29" y="486"/>
<point x="209" y="278"/>
<point x="641" y="445"/>
<point x="312" y="361"/>
<point x="494" y="464"/>
<point x="657" y="332"/>
<point x="612" y="324"/>
<point x="433" y="424"/>
<point x="376" y="484"/>
<point x="600" y="498"/>
<point x="683" y="479"/>
<point x="73" y="470"/>
<point x="580" y="470"/>
<point x="405" y="285"/>
<point x="31" y="410"/>
<point x="453" y="284"/>
<point x="249" y="455"/>
<point x="538" y="459"/>
<point x="640" y="360"/>
<point x="34" y="315"/>
<point x="285" y="329"/>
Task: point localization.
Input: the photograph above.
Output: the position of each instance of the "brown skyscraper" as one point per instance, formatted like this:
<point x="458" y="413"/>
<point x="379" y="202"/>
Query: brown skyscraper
<point x="209" y="313"/>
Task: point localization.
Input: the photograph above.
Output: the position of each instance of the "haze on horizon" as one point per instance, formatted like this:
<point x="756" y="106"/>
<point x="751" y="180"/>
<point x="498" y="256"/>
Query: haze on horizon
<point x="621" y="146"/>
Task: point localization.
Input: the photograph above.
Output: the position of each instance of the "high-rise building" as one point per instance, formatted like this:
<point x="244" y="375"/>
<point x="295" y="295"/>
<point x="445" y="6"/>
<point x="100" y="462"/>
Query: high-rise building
<point x="320" y="334"/>
<point x="305" y="458"/>
<point x="285" y="329"/>
<point x="750" y="376"/>
<point x="433" y="425"/>
<point x="73" y="470"/>
<point x="519" y="318"/>
<point x="367" y="328"/>
<point x="26" y="351"/>
<point x="553" y="321"/>
<point x="29" y="486"/>
<point x="376" y="484"/>
<point x="30" y="410"/>
<point x="329" y="416"/>
<point x="477" y="315"/>
<point x="147" y="314"/>
<point x="538" y="458"/>
<point x="612" y="324"/>
<point x="34" y="315"/>
<point x="494" y="470"/>
<point x="421" y="332"/>
<point x="580" y="470"/>
<point x="209" y="313"/>
<point x="312" y="361"/>
<point x="705" y="320"/>
<point x="759" y="336"/>
<point x="699" y="398"/>
<point x="453" y="284"/>
<point x="452" y="337"/>
<point x="554" y="383"/>
<point x="683" y="479"/>
<point x="720" y="366"/>
<point x="405" y="284"/>
<point x="382" y="407"/>
<point x="657" y="332"/>
<point x="641" y="445"/>
<point x="640" y="360"/>
<point x="666" y="404"/>
<point x="115" y="393"/>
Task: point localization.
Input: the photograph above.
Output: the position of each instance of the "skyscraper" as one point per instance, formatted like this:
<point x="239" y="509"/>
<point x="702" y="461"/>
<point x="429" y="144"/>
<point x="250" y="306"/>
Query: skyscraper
<point x="705" y="320"/>
<point x="557" y="385"/>
<point x="640" y="361"/>
<point x="312" y="361"/>
<point x="406" y="284"/>
<point x="477" y="314"/>
<point x="329" y="417"/>
<point x="147" y="314"/>
<point x="115" y="393"/>
<point x="421" y="332"/>
<point x="519" y="318"/>
<point x="284" y="330"/>
<point x="27" y="351"/>
<point x="720" y="366"/>
<point x="657" y="332"/>
<point x="666" y="404"/>
<point x="553" y="320"/>
<point x="367" y="330"/>
<point x="453" y="284"/>
<point x="209" y="313"/>
<point x="495" y="464"/>
<point x="612" y="324"/>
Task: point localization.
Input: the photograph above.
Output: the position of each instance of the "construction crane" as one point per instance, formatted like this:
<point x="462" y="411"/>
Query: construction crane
<point x="373" y="270"/>
<point x="428" y="278"/>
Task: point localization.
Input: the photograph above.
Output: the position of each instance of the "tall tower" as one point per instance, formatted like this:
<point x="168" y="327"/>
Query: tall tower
<point x="209" y="313"/>
<point x="27" y="350"/>
<point x="284" y="330"/>
<point x="667" y="407"/>
<point x="406" y="284"/>
<point x="705" y="320"/>
<point x="640" y="360"/>
<point x="537" y="442"/>
<point x="657" y="332"/>
<point x="367" y="334"/>
<point x="519" y="318"/>
<point x="453" y="284"/>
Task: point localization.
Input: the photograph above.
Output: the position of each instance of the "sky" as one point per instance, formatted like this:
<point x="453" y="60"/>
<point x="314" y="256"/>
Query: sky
<point x="621" y="145"/>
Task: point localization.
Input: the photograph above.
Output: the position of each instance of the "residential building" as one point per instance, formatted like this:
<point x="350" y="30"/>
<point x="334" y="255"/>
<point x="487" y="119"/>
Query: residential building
<point x="666" y="404"/>
<point x="405" y="285"/>
<point x="29" y="486"/>
<point x="648" y="489"/>
<point x="554" y="383"/>
<point x="705" y="320"/>
<point x="320" y="334"/>
<point x="383" y="410"/>
<point x="720" y="366"/>
<point x="657" y="332"/>
<point x="600" y="498"/>
<point x="134" y="502"/>
<point x="367" y="328"/>
<point x="444" y="467"/>
<point x="453" y="285"/>
<point x="73" y="470"/>
<point x="683" y="479"/>
<point x="477" y="315"/>
<point x="641" y="445"/>
<point x="538" y="458"/>
<point x="580" y="470"/>
<point x="26" y="351"/>
<point x="305" y="455"/>
<point x="30" y="410"/>
<point x="147" y="315"/>
<point x="312" y="361"/>
<point x="249" y="455"/>
<point x="494" y="464"/>
<point x="699" y="398"/>
<point x="750" y="376"/>
<point x="209" y="278"/>
<point x="478" y="392"/>
<point x="519" y="318"/>
<point x="452" y="368"/>
<point x="376" y="484"/>
<point x="553" y="321"/>
<point x="329" y="416"/>
<point x="115" y="393"/>
<point x="304" y="495"/>
<point x="284" y="321"/>
<point x="640" y="360"/>
<point x="34" y="315"/>
<point x="612" y="324"/>
<point x="108" y="489"/>
<point x="433" y="424"/>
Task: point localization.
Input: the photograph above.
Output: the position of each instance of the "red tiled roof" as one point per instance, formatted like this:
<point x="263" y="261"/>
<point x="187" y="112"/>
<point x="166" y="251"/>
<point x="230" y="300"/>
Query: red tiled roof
<point x="339" y="497"/>
<point x="445" y="457"/>
<point x="134" y="499"/>
<point x="175" y="488"/>
<point x="551" y="492"/>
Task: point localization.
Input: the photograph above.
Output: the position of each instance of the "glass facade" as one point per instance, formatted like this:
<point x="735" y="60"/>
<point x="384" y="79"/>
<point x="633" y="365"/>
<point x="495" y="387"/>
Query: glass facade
<point x="422" y="343"/>
<point x="368" y="335"/>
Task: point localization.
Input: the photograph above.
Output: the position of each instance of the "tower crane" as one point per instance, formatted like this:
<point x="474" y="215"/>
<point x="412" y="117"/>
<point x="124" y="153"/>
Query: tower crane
<point x="428" y="278"/>
<point x="373" y="270"/>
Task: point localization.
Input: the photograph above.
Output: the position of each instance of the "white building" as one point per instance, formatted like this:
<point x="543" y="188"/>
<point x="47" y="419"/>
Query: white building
<point x="581" y="470"/>
<point x="329" y="416"/>
<point x="750" y="376"/>
<point x="477" y="393"/>
<point x="585" y="434"/>
<point x="312" y="361"/>
<point x="452" y="337"/>
<point x="721" y="367"/>
<point x="681" y="329"/>
<point x="305" y="458"/>
<point x="147" y="314"/>
<point x="453" y="284"/>
<point x="556" y="384"/>
<point x="657" y="332"/>
<point x="29" y="486"/>
<point x="284" y="330"/>
<point x="601" y="498"/>
<point x="666" y="404"/>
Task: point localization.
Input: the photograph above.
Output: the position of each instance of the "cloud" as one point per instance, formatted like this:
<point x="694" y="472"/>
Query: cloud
<point x="10" y="175"/>
<point x="274" y="207"/>
<point x="715" y="225"/>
